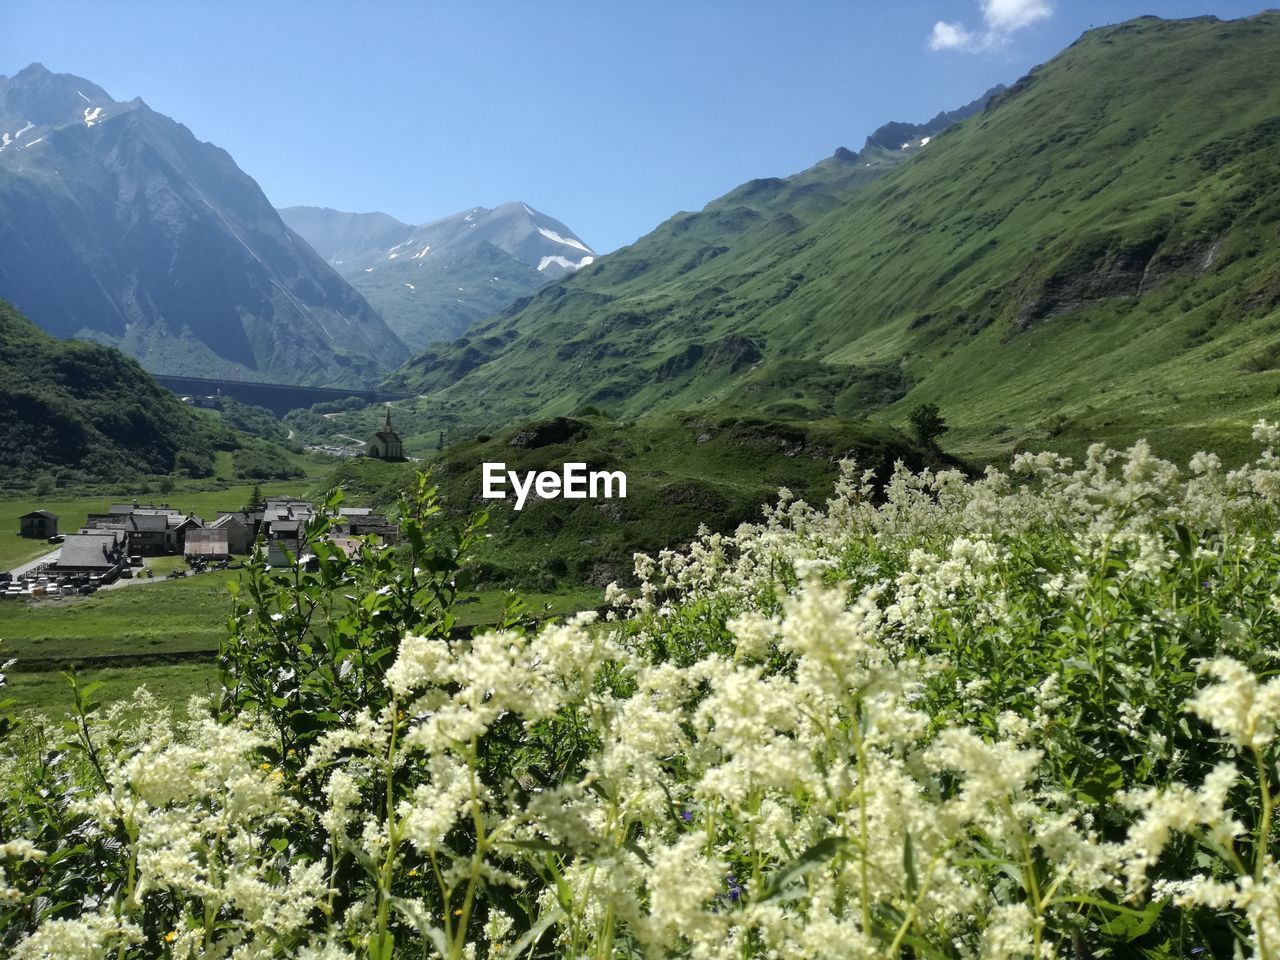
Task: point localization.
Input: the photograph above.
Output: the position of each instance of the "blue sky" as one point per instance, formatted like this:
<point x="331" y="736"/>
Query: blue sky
<point x="610" y="116"/>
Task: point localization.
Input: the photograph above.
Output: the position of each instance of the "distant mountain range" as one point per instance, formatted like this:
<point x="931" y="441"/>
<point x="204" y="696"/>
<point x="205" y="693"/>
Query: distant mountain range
<point x="432" y="282"/>
<point x="118" y="225"/>
<point x="1093" y="254"/>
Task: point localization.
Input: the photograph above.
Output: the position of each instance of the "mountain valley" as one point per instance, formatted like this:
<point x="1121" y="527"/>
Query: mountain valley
<point x="1093" y="255"/>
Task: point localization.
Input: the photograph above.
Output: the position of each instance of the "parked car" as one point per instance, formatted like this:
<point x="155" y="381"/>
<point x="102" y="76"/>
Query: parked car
<point x="6" y="577"/>
<point x="58" y="538"/>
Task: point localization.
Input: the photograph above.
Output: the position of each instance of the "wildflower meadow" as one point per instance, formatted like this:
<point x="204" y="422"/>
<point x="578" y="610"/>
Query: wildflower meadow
<point x="1027" y="714"/>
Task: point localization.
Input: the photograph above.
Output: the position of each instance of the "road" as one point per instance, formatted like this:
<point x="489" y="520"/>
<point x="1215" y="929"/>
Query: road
<point x="47" y="558"/>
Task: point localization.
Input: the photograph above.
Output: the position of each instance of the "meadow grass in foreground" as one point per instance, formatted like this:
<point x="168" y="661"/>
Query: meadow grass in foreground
<point x="1029" y="715"/>
<point x="48" y="694"/>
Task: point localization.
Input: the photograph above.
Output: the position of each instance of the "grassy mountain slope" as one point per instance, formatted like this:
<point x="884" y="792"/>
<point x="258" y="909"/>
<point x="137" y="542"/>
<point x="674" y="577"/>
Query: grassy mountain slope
<point x="84" y="413"/>
<point x="1093" y="256"/>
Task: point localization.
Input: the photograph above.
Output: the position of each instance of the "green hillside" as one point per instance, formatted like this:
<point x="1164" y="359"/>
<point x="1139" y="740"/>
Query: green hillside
<point x="683" y="472"/>
<point x="1094" y="256"/>
<point x="82" y="412"/>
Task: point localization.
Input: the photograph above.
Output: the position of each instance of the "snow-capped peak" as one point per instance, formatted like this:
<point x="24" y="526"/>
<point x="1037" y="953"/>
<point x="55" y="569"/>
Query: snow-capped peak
<point x="552" y="235"/>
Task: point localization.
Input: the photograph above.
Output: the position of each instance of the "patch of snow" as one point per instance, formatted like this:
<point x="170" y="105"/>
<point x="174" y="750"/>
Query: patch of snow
<point x="469" y="217"/>
<point x="32" y="143"/>
<point x="564" y="262"/>
<point x="85" y="99"/>
<point x="905" y="146"/>
<point x="411" y="286"/>
<point x="925" y="141"/>
<point x="527" y="210"/>
<point x="421" y="253"/>
<point x="368" y="269"/>
<point x="18" y="135"/>
<point x="5" y="141"/>
<point x="455" y="298"/>
<point x="392" y="256"/>
<point x="91" y="115"/>
<point x="552" y="235"/>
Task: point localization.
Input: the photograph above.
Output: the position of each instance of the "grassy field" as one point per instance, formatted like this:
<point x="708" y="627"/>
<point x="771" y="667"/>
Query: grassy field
<point x="169" y="617"/>
<point x="177" y="616"/>
<point x="49" y="692"/>
<point x="166" y="616"/>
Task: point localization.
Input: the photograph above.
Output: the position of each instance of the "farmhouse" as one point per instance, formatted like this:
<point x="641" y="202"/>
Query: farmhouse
<point x="148" y="534"/>
<point x="240" y="528"/>
<point x="363" y="524"/>
<point x="97" y="554"/>
<point x="285" y="520"/>
<point x="38" y="525"/>
<point x="177" y="529"/>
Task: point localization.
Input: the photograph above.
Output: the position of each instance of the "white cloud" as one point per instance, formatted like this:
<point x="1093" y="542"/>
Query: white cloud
<point x="949" y="36"/>
<point x="1000" y="18"/>
<point x="1009" y="15"/>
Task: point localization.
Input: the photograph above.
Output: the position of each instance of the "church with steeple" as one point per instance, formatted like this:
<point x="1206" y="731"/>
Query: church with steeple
<point x="385" y="444"/>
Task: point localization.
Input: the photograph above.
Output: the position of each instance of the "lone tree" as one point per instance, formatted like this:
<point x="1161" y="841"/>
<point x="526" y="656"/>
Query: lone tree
<point x="927" y="424"/>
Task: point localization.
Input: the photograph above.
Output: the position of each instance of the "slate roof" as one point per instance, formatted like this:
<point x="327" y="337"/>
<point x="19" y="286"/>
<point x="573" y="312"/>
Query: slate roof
<point x="39" y="513"/>
<point x="146" y="523"/>
<point x="86" y="550"/>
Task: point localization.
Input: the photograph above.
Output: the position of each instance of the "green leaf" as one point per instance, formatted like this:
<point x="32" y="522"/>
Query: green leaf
<point x="533" y="934"/>
<point x="909" y="864"/>
<point x="540" y="846"/>
<point x="1106" y="780"/>
<point x="383" y="947"/>
<point x="418" y="916"/>
<point x="817" y="854"/>
<point x="1130" y="926"/>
